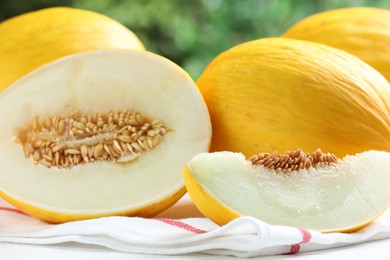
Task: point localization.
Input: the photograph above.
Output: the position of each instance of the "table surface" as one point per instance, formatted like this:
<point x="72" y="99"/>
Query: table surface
<point x="183" y="209"/>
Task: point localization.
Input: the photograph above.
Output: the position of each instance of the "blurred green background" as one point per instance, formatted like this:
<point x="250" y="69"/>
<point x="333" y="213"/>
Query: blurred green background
<point x="192" y="32"/>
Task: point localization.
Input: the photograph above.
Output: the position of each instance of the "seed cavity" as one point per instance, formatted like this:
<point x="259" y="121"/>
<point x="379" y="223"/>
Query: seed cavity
<point x="293" y="160"/>
<point x="64" y="142"/>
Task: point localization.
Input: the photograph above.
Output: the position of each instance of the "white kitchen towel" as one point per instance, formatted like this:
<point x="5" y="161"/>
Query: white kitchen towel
<point x="244" y="237"/>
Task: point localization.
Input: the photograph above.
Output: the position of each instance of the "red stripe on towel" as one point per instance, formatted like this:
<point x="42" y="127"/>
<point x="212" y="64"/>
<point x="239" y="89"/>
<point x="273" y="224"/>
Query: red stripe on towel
<point x="13" y="210"/>
<point x="306" y="237"/>
<point x="181" y="225"/>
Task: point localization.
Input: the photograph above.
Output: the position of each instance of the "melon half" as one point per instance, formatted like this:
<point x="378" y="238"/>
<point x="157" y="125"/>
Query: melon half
<point x="100" y="133"/>
<point x="344" y="195"/>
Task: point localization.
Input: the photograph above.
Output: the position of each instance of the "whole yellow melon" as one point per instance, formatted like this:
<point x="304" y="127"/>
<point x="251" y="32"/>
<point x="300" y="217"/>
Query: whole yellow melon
<point x="362" y="31"/>
<point x="280" y="94"/>
<point x="33" y="39"/>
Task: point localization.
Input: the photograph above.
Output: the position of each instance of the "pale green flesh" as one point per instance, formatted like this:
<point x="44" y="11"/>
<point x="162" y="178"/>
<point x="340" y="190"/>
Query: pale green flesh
<point x="327" y="198"/>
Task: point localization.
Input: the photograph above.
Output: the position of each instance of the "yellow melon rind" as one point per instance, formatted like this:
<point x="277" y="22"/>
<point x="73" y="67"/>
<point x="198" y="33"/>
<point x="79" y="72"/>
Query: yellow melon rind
<point x="57" y="217"/>
<point x="206" y="203"/>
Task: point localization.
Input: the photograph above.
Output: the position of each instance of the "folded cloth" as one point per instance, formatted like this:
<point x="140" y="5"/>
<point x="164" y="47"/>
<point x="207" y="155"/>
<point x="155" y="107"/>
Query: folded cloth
<point x="243" y="237"/>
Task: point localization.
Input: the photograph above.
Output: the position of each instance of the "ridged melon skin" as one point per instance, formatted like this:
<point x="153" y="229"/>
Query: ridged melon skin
<point x="280" y="94"/>
<point x="31" y="40"/>
<point x="361" y="31"/>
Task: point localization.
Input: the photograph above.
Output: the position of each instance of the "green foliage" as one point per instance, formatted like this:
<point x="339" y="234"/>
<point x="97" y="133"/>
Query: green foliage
<point x="192" y="32"/>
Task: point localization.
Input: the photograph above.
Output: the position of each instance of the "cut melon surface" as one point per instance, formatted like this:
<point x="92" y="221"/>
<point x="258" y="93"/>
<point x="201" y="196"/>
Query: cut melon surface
<point x="95" y="84"/>
<point x="343" y="196"/>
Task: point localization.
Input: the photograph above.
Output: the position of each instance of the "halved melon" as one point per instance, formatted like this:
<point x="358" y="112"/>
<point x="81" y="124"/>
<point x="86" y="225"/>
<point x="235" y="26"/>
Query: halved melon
<point x="100" y="133"/>
<point x="323" y="193"/>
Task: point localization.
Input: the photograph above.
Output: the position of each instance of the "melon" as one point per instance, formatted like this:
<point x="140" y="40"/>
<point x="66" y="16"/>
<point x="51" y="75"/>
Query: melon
<point x="361" y="31"/>
<point x="100" y="133"/>
<point x="33" y="39"/>
<point x="316" y="191"/>
<point x="280" y="94"/>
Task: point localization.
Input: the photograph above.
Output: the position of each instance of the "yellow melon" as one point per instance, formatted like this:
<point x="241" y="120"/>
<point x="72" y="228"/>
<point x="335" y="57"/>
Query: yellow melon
<point x="280" y="94"/>
<point x="33" y="39"/>
<point x="362" y="31"/>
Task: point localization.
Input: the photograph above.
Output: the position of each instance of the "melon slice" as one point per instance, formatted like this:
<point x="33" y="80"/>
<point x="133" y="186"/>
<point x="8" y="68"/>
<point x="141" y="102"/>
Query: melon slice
<point x="332" y="195"/>
<point x="100" y="133"/>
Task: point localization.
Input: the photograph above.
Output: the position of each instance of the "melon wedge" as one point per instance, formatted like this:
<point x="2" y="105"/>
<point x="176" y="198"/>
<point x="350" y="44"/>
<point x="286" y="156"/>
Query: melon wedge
<point x="100" y="133"/>
<point x="344" y="196"/>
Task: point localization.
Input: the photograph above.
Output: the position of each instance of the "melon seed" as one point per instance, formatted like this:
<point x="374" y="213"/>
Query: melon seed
<point x="293" y="160"/>
<point x="64" y="142"/>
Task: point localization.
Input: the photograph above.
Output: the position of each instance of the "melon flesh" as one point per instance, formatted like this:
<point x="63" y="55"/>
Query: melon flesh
<point x="342" y="196"/>
<point x="99" y="82"/>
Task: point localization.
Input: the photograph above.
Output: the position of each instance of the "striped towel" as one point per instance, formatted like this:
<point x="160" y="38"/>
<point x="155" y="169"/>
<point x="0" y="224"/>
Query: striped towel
<point x="171" y="234"/>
